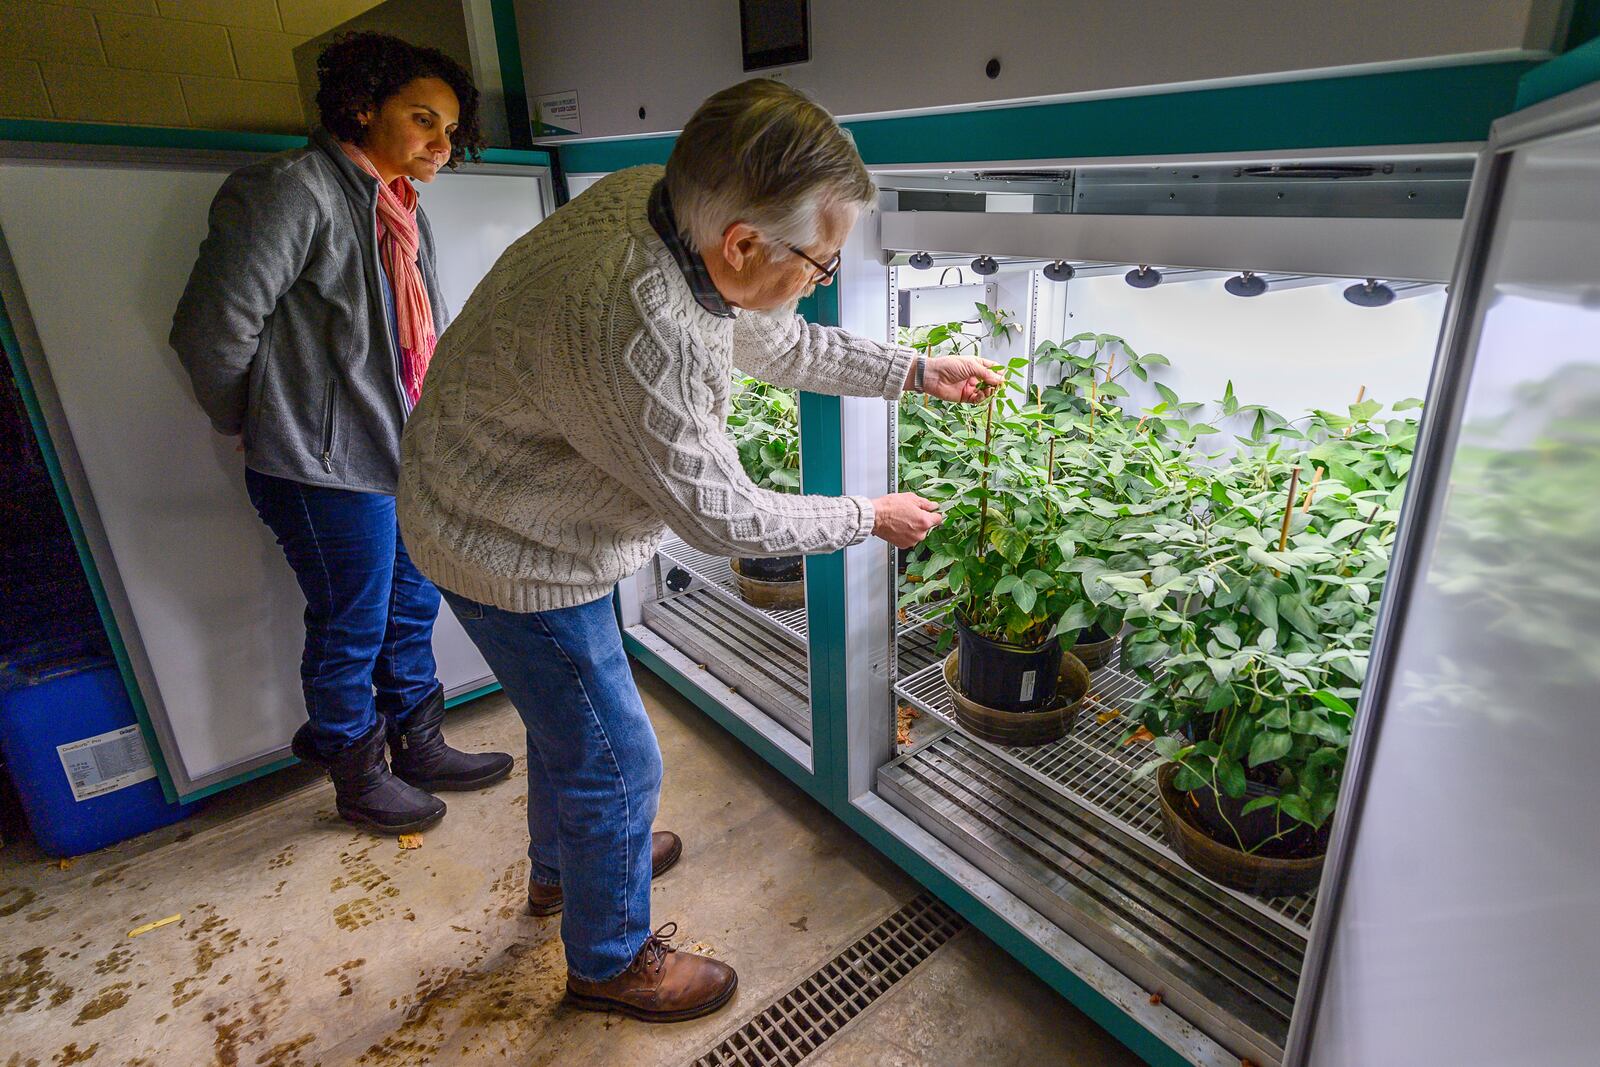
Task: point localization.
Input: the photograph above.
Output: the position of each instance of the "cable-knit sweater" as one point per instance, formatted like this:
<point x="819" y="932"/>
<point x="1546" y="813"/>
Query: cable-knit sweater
<point x="578" y="406"/>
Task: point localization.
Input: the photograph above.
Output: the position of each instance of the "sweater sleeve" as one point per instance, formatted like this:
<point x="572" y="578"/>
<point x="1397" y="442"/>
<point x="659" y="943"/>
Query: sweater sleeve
<point x="788" y="351"/>
<point x="262" y="227"/>
<point x="653" y="421"/>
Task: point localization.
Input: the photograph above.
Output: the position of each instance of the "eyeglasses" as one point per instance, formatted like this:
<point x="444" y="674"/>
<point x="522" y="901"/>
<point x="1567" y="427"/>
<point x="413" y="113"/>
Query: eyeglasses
<point x="826" y="272"/>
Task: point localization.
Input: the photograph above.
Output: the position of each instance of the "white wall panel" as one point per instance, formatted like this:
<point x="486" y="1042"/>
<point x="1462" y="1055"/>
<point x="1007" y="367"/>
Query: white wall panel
<point x="207" y="605"/>
<point x="903" y="55"/>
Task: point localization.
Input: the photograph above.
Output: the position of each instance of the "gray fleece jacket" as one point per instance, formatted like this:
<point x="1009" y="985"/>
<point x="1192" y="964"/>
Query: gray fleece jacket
<point x="284" y="327"/>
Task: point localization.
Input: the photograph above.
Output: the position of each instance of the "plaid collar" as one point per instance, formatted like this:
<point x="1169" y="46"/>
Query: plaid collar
<point x="689" y="261"/>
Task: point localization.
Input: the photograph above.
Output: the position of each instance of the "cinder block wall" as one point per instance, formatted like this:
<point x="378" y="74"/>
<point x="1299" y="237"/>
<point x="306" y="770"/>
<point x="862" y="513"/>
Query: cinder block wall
<point x="208" y="64"/>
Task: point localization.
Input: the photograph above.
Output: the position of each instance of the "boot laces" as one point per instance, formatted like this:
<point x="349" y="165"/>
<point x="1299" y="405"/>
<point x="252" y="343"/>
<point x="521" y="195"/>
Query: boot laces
<point x="658" y="945"/>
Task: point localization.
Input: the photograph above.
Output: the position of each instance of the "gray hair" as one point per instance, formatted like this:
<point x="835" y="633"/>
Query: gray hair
<point x="764" y="153"/>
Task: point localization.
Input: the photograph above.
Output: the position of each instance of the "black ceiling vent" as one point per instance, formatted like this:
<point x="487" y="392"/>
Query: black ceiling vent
<point x="1323" y="171"/>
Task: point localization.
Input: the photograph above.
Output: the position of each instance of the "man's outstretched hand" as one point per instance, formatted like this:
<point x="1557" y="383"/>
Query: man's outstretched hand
<point x="903" y="519"/>
<point x="963" y="379"/>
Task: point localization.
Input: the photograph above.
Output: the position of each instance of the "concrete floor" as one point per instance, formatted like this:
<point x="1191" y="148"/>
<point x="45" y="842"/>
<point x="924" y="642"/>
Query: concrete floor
<point x="303" y="941"/>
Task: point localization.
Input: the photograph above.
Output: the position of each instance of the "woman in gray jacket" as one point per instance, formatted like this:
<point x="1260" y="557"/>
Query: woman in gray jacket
<point x="307" y="327"/>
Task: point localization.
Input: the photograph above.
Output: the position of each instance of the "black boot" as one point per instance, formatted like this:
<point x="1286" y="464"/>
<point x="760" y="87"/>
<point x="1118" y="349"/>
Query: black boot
<point x="422" y="758"/>
<point x="367" y="792"/>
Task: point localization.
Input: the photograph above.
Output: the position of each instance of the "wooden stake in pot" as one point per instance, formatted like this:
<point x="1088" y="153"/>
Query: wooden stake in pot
<point x="1288" y="509"/>
<point x="1311" y="493"/>
<point x="1361" y="394"/>
<point x="983" y="508"/>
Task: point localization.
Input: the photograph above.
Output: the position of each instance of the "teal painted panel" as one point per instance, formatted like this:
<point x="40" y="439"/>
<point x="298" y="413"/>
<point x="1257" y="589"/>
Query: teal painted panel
<point x="1436" y="104"/>
<point x="89" y="133"/>
<point x="509" y="51"/>
<point x="1584" y="25"/>
<point x="144" y="136"/>
<point x="822" y="471"/>
<point x="472" y="694"/>
<point x="603" y="157"/>
<point x="1404" y="107"/>
<point x="1577" y="68"/>
<point x="520" y="157"/>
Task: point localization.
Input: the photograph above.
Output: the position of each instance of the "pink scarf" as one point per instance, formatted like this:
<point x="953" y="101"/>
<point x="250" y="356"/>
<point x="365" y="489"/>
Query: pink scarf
<point x="397" y="250"/>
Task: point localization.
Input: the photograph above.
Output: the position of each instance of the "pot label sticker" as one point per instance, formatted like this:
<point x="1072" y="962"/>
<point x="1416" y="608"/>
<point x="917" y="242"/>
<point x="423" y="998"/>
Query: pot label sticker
<point x="106" y="763"/>
<point x="1027" y="685"/>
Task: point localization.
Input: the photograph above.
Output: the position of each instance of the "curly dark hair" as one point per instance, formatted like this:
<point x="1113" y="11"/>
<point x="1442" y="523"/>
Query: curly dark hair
<point x="359" y="71"/>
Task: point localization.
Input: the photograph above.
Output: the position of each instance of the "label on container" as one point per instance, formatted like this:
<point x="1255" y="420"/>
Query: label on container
<point x="1027" y="685"/>
<point x="106" y="763"/>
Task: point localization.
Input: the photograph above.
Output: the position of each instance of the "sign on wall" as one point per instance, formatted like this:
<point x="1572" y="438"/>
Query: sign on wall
<point x="556" y="114"/>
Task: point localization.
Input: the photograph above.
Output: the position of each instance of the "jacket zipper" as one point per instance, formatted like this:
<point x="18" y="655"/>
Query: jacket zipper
<point x="394" y="342"/>
<point x="327" y="428"/>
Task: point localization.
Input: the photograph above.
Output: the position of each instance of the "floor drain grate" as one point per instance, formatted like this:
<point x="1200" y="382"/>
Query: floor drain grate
<point x="794" y="1025"/>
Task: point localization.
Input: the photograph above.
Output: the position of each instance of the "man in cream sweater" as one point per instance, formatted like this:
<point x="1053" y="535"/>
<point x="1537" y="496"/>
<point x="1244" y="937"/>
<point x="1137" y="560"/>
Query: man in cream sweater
<point x="576" y="408"/>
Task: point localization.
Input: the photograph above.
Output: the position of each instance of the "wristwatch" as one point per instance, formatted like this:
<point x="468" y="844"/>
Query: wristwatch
<point x="922" y="372"/>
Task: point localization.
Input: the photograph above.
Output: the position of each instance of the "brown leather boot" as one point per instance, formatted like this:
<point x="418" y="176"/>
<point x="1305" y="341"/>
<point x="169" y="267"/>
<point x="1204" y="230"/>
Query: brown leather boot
<point x="665" y="848"/>
<point x="661" y="985"/>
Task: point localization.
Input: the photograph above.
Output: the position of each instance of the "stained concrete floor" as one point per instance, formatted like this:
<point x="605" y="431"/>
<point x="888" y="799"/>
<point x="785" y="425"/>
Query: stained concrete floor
<point x="303" y="941"/>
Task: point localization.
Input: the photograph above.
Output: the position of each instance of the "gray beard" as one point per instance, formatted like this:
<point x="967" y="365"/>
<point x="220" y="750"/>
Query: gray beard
<point x="783" y="313"/>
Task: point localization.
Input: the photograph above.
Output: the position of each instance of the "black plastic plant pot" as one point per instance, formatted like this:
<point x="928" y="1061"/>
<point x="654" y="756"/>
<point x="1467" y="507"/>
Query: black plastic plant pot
<point x="774" y="569"/>
<point x="1007" y="677"/>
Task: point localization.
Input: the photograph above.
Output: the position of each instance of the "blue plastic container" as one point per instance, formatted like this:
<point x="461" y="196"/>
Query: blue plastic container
<point x="72" y="746"/>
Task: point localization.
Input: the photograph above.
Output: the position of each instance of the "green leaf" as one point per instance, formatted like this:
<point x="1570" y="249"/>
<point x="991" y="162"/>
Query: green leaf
<point x="1222" y="696"/>
<point x="1072" y="620"/>
<point x="1364" y="411"/>
<point x="1407" y="404"/>
<point x="1294" y="611"/>
<point x="1270" y="745"/>
<point x="1231" y="777"/>
<point x="1025" y="596"/>
<point x="1259" y="803"/>
<point x="1167" y="746"/>
<point x="1007" y="584"/>
<point x="1263" y="605"/>
<point x="1144" y="653"/>
<point x="1292" y="806"/>
<point x="1334" y="703"/>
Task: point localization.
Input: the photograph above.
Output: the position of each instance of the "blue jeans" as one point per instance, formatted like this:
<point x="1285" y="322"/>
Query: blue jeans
<point x="594" y="770"/>
<point x="369" y="611"/>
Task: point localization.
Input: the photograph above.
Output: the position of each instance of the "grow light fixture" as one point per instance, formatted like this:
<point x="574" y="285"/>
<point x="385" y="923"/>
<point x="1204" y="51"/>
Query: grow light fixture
<point x="985" y="265"/>
<point x="1059" y="271"/>
<point x="1143" y="276"/>
<point x="1248" y="283"/>
<point x="921" y="261"/>
<point x="1375" y="294"/>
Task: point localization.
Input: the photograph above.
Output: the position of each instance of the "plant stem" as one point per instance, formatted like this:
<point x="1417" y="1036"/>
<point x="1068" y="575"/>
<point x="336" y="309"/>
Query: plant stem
<point x="1288" y="509"/>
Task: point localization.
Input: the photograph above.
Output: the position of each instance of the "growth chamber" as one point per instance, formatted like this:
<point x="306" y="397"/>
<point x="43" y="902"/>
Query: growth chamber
<point x="1359" y="386"/>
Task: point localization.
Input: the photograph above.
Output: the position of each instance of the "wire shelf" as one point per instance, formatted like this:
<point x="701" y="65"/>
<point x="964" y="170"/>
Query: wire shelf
<point x="717" y="574"/>
<point x="1090" y="764"/>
